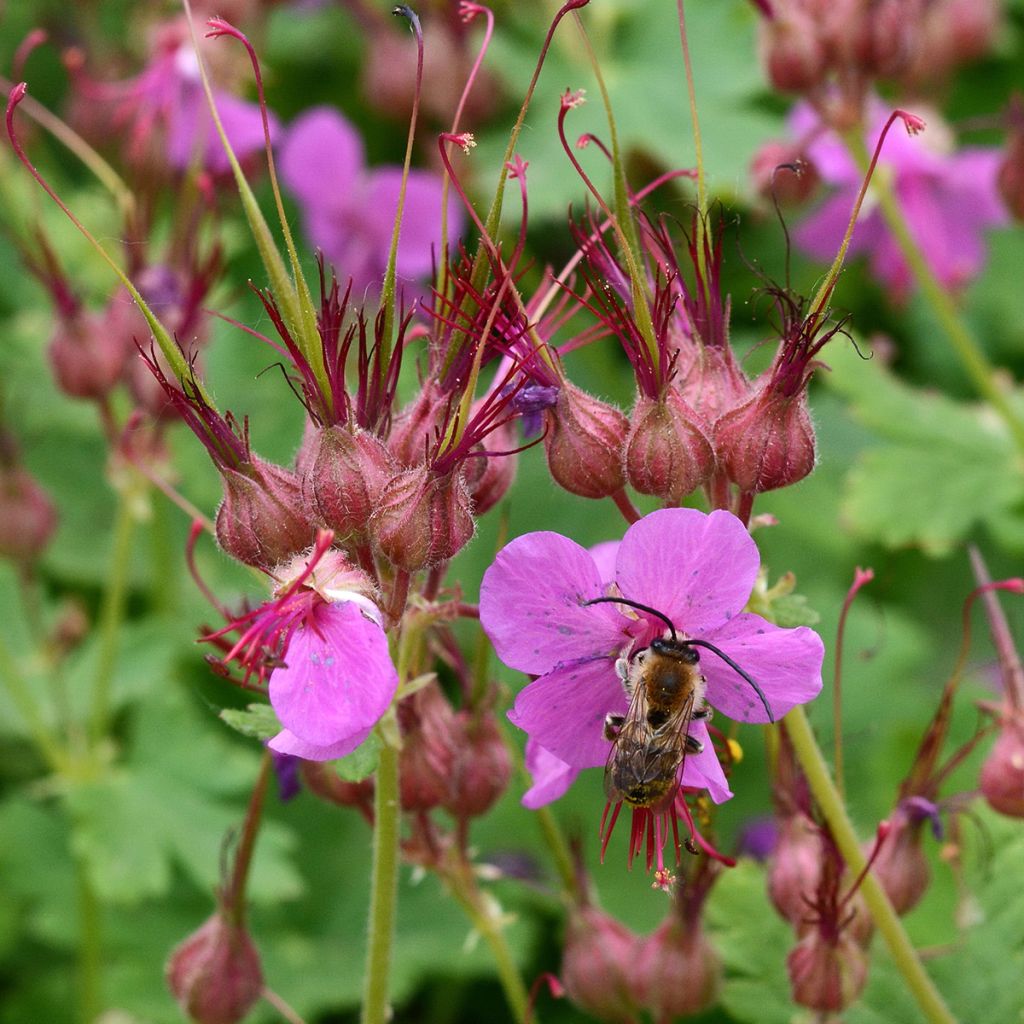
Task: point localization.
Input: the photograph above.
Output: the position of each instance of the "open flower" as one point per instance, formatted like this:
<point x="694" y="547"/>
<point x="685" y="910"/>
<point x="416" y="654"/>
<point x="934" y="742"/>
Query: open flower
<point x="948" y="198"/>
<point x="698" y="571"/>
<point x="349" y="210"/>
<point x="322" y="644"/>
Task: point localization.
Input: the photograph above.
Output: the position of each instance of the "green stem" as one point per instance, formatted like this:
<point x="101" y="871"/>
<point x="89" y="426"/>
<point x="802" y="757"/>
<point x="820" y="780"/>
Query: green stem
<point x="383" y="888"/>
<point x="90" y="949"/>
<point x="970" y="353"/>
<point x="24" y="700"/>
<point x="827" y="797"/>
<point x="111" y="616"/>
<point x="488" y="926"/>
<point x="559" y="850"/>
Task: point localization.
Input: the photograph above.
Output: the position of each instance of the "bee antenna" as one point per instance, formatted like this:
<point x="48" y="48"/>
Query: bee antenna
<point x="641" y="608"/>
<point x="732" y="664"/>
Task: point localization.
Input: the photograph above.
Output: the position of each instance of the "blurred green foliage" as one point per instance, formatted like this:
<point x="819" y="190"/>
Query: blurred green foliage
<point x="911" y="469"/>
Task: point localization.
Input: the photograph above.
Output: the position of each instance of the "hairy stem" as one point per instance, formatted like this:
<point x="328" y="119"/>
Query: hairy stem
<point x="383" y="889"/>
<point x="972" y="358"/>
<point x="889" y="925"/>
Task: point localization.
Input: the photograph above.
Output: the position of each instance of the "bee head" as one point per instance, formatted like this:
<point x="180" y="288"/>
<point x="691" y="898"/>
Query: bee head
<point x="678" y="650"/>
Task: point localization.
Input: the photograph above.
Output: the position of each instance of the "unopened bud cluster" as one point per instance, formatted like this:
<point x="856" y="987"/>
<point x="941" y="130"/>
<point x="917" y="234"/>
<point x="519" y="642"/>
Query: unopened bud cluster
<point x="808" y="44"/>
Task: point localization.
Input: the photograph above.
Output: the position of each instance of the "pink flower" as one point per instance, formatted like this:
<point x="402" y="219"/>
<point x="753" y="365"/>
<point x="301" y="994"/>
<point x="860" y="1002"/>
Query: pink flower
<point x="349" y="210"/>
<point x="168" y="96"/>
<point x="697" y="570"/>
<point x="325" y="652"/>
<point x="948" y="198"/>
<point x="337" y="682"/>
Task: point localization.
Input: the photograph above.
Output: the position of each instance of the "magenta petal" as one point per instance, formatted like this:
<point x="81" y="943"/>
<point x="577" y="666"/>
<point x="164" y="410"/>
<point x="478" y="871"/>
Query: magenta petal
<point x="565" y="710"/>
<point x="604" y="556"/>
<point x="339" y="677"/>
<point x="419" y="245"/>
<point x="697" y="569"/>
<point x="530" y="605"/>
<point x="286" y="742"/>
<point x="551" y="776"/>
<point x="785" y="663"/>
<point x="321" y="158"/>
<point x="704" y="770"/>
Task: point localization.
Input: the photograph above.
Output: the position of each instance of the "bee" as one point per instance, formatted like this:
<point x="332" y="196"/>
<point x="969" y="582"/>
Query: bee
<point x="666" y="690"/>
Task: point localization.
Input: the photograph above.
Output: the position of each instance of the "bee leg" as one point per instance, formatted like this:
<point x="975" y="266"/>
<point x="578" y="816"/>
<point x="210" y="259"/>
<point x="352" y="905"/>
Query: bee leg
<point x="693" y="745"/>
<point x="612" y="725"/>
<point x="622" y="671"/>
<point x="703" y="714"/>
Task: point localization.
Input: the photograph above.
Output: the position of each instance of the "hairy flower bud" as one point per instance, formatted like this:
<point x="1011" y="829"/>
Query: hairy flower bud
<point x="428" y="749"/>
<point x="667" y="451"/>
<point x="27" y="516"/>
<point x="826" y="974"/>
<point x="1002" y="774"/>
<point x="677" y="972"/>
<point x="482" y="765"/>
<point x="87" y="357"/>
<point x="793" y="55"/>
<point x="584" y="442"/>
<point x="215" y="973"/>
<point x="777" y="171"/>
<point x="489" y="477"/>
<point x="323" y="781"/>
<point x="795" y="867"/>
<point x="422" y="519"/>
<point x="766" y="442"/>
<point x="1010" y="178"/>
<point x="261" y="520"/>
<point x="900" y="864"/>
<point x="414" y="428"/>
<point x="596" y="965"/>
<point x="348" y="470"/>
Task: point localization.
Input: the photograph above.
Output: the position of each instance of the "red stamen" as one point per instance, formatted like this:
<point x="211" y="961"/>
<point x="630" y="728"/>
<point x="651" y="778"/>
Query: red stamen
<point x="26" y="48"/>
<point x="860" y="578"/>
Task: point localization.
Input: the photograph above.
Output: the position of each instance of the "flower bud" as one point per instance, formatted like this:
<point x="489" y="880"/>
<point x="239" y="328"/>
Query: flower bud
<point x="215" y="973"/>
<point x="27" y="516"/>
<point x="323" y="781"/>
<point x="1002" y="774"/>
<point x="584" y="443"/>
<point x="422" y="519"/>
<point x="482" y="765"/>
<point x="900" y="864"/>
<point x="826" y="975"/>
<point x="347" y="473"/>
<point x="677" y="972"/>
<point x="489" y="477"/>
<point x="428" y="749"/>
<point x="1010" y="177"/>
<point x="777" y="171"/>
<point x="793" y="55"/>
<point x="414" y="427"/>
<point x="767" y="442"/>
<point x="795" y="868"/>
<point x="261" y="520"/>
<point x="667" y="451"/>
<point x="87" y="358"/>
<point x="596" y="965"/>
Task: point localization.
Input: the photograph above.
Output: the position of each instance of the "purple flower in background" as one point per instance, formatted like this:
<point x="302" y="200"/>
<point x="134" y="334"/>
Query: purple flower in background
<point x="167" y="97"/>
<point x="349" y="210"/>
<point x="696" y="569"/>
<point x="948" y="198"/>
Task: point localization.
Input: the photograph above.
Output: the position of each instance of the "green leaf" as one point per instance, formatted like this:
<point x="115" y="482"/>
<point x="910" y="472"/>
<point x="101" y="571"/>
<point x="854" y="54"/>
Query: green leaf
<point x="639" y="50"/>
<point x="257" y="721"/>
<point x="944" y="466"/>
<point x="794" y="610"/>
<point x="362" y="762"/>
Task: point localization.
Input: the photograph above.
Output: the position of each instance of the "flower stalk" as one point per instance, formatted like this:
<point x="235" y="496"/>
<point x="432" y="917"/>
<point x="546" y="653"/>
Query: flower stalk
<point x="826" y="795"/>
<point x="383" y="884"/>
<point x="972" y="358"/>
